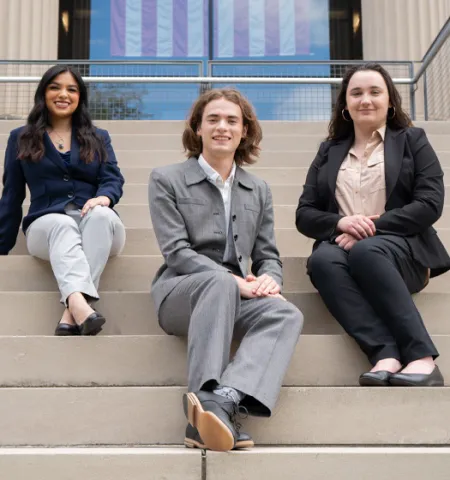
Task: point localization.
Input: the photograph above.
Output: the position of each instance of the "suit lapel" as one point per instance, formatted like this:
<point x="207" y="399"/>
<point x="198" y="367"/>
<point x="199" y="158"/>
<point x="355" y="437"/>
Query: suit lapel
<point x="336" y="155"/>
<point x="394" y="145"/>
<point x="52" y="154"/>
<point x="194" y="173"/>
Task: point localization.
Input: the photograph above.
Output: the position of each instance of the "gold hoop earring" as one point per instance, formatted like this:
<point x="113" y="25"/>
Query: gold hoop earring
<point x="393" y="114"/>
<point x="344" y="117"/>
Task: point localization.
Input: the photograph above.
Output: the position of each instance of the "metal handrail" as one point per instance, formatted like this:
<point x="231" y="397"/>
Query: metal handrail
<point x="255" y="80"/>
<point x="441" y="37"/>
<point x="101" y="62"/>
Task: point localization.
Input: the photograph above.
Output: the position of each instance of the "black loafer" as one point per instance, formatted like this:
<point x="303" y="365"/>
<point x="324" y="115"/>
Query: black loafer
<point x="214" y="418"/>
<point x="193" y="439"/>
<point x="92" y="325"/>
<point x="375" y="379"/>
<point x="66" y="330"/>
<point x="433" y="379"/>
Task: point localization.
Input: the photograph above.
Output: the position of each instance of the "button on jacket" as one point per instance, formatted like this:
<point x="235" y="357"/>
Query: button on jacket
<point x="52" y="184"/>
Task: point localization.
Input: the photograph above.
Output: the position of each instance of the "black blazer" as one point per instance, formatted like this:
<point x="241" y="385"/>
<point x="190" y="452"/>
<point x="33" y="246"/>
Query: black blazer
<point x="52" y="184"/>
<point x="414" y="195"/>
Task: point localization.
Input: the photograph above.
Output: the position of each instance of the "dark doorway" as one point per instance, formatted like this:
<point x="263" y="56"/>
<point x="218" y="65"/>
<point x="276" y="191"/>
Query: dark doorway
<point x="74" y="29"/>
<point x="345" y="30"/>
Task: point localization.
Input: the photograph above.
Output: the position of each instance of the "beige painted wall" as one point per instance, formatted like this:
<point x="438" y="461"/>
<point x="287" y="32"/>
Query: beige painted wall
<point x="28" y="31"/>
<point x="401" y="29"/>
<point x="404" y="30"/>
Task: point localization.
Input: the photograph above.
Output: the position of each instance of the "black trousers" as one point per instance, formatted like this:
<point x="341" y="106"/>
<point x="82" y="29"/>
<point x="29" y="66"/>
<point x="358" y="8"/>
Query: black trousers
<point x="368" y="290"/>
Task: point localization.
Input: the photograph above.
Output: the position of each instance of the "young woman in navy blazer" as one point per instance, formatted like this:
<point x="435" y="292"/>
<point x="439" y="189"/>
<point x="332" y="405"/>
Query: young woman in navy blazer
<point x="74" y="181"/>
<point x="370" y="199"/>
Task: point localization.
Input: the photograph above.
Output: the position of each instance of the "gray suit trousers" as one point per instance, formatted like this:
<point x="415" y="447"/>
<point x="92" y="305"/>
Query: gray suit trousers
<point x="77" y="248"/>
<point x="207" y="307"/>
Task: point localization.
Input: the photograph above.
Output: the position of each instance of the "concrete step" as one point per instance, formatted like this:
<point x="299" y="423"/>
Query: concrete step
<point x="268" y="158"/>
<point x="138" y="216"/>
<point x="277" y="177"/>
<point x="346" y="463"/>
<point x="283" y="194"/>
<point x="177" y="127"/>
<point x="142" y="241"/>
<point x="293" y="177"/>
<point x="171" y="463"/>
<point x="153" y="415"/>
<point x="160" y="360"/>
<point x="133" y="313"/>
<point x="260" y="463"/>
<point x="135" y="272"/>
<point x="278" y="142"/>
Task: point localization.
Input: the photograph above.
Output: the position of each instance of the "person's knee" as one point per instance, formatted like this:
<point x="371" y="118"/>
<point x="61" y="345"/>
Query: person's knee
<point x="223" y="281"/>
<point x="102" y="214"/>
<point x="362" y="252"/>
<point x="322" y="259"/>
<point x="287" y="314"/>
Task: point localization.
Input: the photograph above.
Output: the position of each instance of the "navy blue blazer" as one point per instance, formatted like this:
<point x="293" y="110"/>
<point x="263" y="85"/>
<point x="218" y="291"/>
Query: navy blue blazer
<point x="52" y="184"/>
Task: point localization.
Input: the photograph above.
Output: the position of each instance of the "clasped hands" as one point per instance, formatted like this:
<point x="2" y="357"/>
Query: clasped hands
<point x="262" y="286"/>
<point x="355" y="228"/>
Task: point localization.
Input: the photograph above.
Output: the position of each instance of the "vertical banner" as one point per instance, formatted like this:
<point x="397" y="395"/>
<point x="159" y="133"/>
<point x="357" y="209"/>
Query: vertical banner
<point x="159" y="28"/>
<point x="261" y="28"/>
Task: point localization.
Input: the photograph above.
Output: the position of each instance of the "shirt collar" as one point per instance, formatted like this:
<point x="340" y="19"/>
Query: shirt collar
<point x="374" y="138"/>
<point x="212" y="174"/>
<point x="382" y="131"/>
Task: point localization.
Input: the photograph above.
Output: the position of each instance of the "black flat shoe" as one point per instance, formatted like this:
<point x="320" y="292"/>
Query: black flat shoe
<point x="375" y="379"/>
<point x="193" y="439"/>
<point x="433" y="379"/>
<point x="66" y="330"/>
<point x="92" y="325"/>
<point x="214" y="418"/>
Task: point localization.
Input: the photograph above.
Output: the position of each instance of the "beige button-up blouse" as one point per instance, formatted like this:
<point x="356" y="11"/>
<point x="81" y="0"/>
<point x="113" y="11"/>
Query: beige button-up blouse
<point x="361" y="184"/>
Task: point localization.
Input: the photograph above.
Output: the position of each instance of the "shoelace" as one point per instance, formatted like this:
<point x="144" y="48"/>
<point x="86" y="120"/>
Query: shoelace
<point x="233" y="412"/>
<point x="238" y="411"/>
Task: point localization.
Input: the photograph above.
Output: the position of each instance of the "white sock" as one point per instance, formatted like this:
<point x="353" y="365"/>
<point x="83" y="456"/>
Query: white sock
<point x="229" y="392"/>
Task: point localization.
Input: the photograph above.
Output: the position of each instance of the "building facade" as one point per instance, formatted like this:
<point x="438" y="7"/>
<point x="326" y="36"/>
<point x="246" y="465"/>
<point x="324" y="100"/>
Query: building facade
<point x="263" y="32"/>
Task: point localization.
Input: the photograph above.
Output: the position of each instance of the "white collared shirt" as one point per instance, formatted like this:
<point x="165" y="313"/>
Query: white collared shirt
<point x="223" y="186"/>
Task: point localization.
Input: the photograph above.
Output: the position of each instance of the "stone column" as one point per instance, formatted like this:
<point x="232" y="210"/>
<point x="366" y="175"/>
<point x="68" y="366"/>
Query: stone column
<point x="404" y="30"/>
<point x="28" y="31"/>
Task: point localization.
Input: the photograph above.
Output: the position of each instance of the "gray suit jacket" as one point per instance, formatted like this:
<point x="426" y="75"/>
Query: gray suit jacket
<point x="188" y="217"/>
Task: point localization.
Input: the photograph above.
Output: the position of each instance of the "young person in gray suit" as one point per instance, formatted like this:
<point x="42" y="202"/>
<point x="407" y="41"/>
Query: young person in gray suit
<point x="211" y="217"/>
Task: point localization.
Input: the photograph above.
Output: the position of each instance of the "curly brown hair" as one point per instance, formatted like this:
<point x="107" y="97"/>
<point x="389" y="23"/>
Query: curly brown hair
<point x="397" y="118"/>
<point x="248" y="150"/>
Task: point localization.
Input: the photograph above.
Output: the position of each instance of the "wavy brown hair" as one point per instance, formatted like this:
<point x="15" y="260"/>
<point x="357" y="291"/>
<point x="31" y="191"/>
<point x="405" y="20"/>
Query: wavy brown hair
<point x="396" y="119"/>
<point x="248" y="150"/>
<point x="31" y="140"/>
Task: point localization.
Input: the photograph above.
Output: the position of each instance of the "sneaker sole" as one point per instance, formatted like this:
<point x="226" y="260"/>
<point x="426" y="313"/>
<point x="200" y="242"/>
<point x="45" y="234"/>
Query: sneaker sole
<point x="214" y="433"/>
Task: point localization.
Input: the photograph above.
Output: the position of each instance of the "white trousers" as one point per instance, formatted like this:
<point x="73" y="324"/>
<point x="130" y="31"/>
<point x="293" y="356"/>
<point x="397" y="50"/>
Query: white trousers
<point x="77" y="248"/>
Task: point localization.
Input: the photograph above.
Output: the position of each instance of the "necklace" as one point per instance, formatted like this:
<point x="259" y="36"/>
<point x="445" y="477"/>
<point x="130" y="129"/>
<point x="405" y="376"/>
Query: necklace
<point x="61" y="140"/>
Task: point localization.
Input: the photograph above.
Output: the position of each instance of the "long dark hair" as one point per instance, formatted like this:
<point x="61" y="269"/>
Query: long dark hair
<point x="397" y="118"/>
<point x="31" y="140"/>
<point x="248" y="149"/>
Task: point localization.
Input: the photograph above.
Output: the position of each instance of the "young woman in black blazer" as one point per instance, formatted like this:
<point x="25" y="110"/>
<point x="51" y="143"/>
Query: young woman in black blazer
<point x="370" y="199"/>
<point x="74" y="181"/>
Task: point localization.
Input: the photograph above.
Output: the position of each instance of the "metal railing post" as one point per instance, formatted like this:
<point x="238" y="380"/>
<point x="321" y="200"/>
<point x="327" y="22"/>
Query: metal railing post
<point x="425" y="95"/>
<point x="412" y="93"/>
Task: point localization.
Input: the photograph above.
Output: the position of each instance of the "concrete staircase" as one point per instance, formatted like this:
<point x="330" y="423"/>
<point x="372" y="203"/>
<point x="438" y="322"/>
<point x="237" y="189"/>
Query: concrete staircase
<point x="109" y="407"/>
